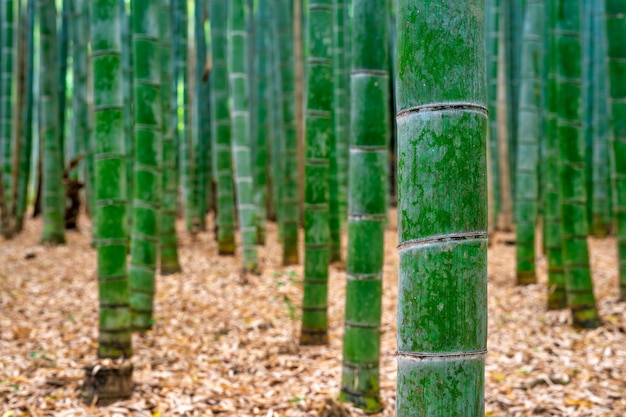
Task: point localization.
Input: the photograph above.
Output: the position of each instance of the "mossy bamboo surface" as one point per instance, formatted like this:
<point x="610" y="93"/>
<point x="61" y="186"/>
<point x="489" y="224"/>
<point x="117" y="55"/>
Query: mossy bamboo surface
<point x="262" y="115"/>
<point x="53" y="201"/>
<point x="615" y="29"/>
<point x="240" y="122"/>
<point x="63" y="51"/>
<point x="552" y="207"/>
<point x="338" y="118"/>
<point x="221" y="130"/>
<point x="290" y="205"/>
<point x="27" y="118"/>
<point x="492" y="34"/>
<point x="442" y="208"/>
<point x="147" y="125"/>
<point x="601" y="216"/>
<point x="528" y="137"/>
<point x="574" y="228"/>
<point x="367" y="204"/>
<point x="7" y="101"/>
<point x="169" y="179"/>
<point x="110" y="180"/>
<point x="318" y="131"/>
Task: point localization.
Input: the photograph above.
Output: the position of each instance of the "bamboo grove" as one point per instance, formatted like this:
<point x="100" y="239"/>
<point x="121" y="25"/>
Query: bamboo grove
<point x="494" y="114"/>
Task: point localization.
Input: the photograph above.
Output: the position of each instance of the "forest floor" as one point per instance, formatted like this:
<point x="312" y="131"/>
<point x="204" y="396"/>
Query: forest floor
<point x="224" y="346"/>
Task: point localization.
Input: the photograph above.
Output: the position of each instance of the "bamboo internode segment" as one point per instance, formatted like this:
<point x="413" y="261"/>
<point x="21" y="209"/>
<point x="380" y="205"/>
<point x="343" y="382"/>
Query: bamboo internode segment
<point x="442" y="192"/>
<point x="111" y="235"/>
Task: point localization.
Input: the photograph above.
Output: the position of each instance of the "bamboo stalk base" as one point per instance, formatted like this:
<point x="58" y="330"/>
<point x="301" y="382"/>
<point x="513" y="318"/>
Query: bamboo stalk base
<point x="526" y="278"/>
<point x="170" y="269"/>
<point x="367" y="403"/>
<point x="585" y="317"/>
<point x="313" y="337"/>
<point x="107" y="385"/>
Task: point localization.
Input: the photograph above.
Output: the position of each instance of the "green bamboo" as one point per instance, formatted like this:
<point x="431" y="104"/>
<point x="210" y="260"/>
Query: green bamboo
<point x="615" y="29"/>
<point x="492" y="33"/>
<point x="240" y="122"/>
<point x="110" y="180"/>
<point x="342" y="145"/>
<point x="601" y="217"/>
<point x="587" y="94"/>
<point x="318" y="131"/>
<point x="53" y="190"/>
<point x="26" y="138"/>
<point x="80" y="110"/>
<point x="574" y="228"/>
<point x="63" y="51"/>
<point x="127" y="83"/>
<point x="7" y="103"/>
<point x="262" y="115"/>
<point x="221" y="131"/>
<point x="89" y="139"/>
<point x="442" y="208"/>
<point x="338" y="136"/>
<point x="289" y="201"/>
<point x="167" y="226"/>
<point x="552" y="208"/>
<point x="148" y="130"/>
<point x="528" y="136"/>
<point x="367" y="204"/>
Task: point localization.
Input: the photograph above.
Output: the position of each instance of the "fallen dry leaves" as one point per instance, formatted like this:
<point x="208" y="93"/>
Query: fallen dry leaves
<point x="221" y="346"/>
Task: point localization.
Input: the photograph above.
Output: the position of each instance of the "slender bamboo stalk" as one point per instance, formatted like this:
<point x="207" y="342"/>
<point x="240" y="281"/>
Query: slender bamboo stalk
<point x="442" y="208"/>
<point x="127" y="83"/>
<point x="289" y="184"/>
<point x="167" y="226"/>
<point x="342" y="145"/>
<point x="492" y="33"/>
<point x="367" y="204"/>
<point x="601" y="217"/>
<point x="528" y="136"/>
<point x="63" y="45"/>
<point x="80" y="109"/>
<point x="318" y="132"/>
<point x="7" y="103"/>
<point x="240" y="122"/>
<point x="587" y="93"/>
<point x="579" y="286"/>
<point x="552" y="208"/>
<point x="110" y="180"/>
<point x="53" y="190"/>
<point x="615" y="29"/>
<point x="221" y="131"/>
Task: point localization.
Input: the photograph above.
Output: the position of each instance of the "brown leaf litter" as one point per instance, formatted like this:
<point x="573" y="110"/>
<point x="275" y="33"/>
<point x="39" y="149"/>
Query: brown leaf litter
<point x="222" y="348"/>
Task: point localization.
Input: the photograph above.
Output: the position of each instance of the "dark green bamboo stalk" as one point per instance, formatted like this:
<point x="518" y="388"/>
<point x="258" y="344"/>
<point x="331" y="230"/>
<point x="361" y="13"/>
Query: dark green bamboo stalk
<point x="53" y="190"/>
<point x="587" y="93"/>
<point x="442" y="208"/>
<point x="318" y="133"/>
<point x="615" y="29"/>
<point x="552" y="208"/>
<point x="262" y="114"/>
<point x="289" y="184"/>
<point x="167" y="226"/>
<point x="63" y="45"/>
<point x="27" y="118"/>
<point x="342" y="146"/>
<point x="601" y="217"/>
<point x="147" y="162"/>
<point x="338" y="136"/>
<point x="89" y="139"/>
<point x="240" y="122"/>
<point x="110" y="180"/>
<point x="220" y="130"/>
<point x="367" y="204"/>
<point x="579" y="286"/>
<point x="528" y="136"/>
<point x="492" y="33"/>
<point x="7" y="103"/>
<point x="80" y="110"/>
<point x="127" y="83"/>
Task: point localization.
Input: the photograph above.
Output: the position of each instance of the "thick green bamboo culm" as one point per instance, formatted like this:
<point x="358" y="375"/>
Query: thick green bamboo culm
<point x="262" y="110"/>
<point x="80" y="107"/>
<point x="318" y="131"/>
<point x="127" y="83"/>
<point x="601" y="216"/>
<point x="289" y="202"/>
<point x="7" y="103"/>
<point x="220" y="130"/>
<point x="147" y="161"/>
<point x="492" y="33"/>
<point x="615" y="29"/>
<point x="110" y="180"/>
<point x="442" y="208"/>
<point x="53" y="201"/>
<point x="587" y="93"/>
<point x="63" y="51"/>
<point x="169" y="177"/>
<point x="240" y="122"/>
<point x="528" y="137"/>
<point x="338" y="136"/>
<point x="342" y="146"/>
<point x="367" y="204"/>
<point x="552" y="208"/>
<point x="26" y="139"/>
<point x="574" y="228"/>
